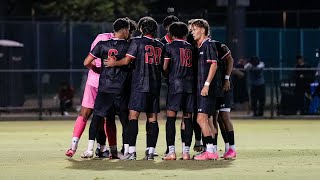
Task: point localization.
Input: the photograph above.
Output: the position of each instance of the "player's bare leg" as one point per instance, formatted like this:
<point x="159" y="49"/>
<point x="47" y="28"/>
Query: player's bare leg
<point x="210" y="153"/>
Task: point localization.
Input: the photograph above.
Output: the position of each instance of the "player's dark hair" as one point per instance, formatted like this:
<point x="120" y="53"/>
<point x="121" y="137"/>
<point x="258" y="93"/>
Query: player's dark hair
<point x="202" y="24"/>
<point x="132" y="25"/>
<point x="169" y="20"/>
<point x="120" y="23"/>
<point x="148" y="26"/>
<point x="178" y="29"/>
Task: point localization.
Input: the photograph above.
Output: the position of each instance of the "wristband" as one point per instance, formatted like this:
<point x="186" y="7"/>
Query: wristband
<point x="207" y="83"/>
<point x="227" y="77"/>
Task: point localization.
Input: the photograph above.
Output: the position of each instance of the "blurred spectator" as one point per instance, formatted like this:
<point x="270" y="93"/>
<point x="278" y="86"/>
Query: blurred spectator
<point x="240" y="92"/>
<point x="66" y="93"/>
<point x="303" y="78"/>
<point x="258" y="90"/>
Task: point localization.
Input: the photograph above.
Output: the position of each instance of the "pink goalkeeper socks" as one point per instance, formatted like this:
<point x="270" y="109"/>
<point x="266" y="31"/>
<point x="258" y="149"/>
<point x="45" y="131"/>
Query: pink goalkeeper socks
<point x="79" y="126"/>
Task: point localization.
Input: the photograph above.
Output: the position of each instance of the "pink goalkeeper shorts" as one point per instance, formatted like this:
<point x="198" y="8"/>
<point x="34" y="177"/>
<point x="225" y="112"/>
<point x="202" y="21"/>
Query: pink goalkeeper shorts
<point x="89" y="96"/>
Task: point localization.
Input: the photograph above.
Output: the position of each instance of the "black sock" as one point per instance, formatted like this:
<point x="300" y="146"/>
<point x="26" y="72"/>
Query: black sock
<point x="215" y="140"/>
<point x="231" y="137"/>
<point x="207" y="140"/>
<point x="101" y="136"/>
<point x="147" y="131"/>
<point x="188" y="131"/>
<point x="132" y="132"/>
<point x="94" y="125"/>
<point x="123" y="116"/>
<point x="182" y="135"/>
<point x="170" y="130"/>
<point x="153" y="134"/>
<point x="196" y="128"/>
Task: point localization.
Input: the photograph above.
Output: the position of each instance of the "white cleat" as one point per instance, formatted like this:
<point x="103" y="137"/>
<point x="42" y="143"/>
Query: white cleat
<point x="87" y="154"/>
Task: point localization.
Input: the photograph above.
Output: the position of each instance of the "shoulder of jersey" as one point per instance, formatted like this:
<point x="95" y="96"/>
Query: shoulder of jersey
<point x="159" y="41"/>
<point x="105" y="36"/>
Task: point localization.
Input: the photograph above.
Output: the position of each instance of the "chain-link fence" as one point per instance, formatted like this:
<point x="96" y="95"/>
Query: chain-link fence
<point x="283" y="96"/>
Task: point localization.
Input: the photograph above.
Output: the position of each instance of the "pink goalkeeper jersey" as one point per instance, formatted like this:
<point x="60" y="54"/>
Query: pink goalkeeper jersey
<point x="93" y="78"/>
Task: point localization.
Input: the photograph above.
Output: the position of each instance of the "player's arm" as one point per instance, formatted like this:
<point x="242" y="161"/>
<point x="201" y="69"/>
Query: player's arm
<point x="94" y="54"/>
<point x="166" y="61"/>
<point x="130" y="56"/>
<point x="212" y="72"/>
<point x="112" y="61"/>
<point x="88" y="63"/>
<point x="212" y="58"/>
<point x="229" y="62"/>
<point x="166" y="65"/>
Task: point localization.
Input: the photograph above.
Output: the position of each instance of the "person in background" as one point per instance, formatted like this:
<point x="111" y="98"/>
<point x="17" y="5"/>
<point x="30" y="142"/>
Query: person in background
<point x="258" y="90"/>
<point x="239" y="79"/>
<point x="66" y="93"/>
<point x="303" y="78"/>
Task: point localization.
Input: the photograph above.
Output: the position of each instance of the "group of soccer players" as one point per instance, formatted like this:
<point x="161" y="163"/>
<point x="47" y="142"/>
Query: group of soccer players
<point x="125" y="79"/>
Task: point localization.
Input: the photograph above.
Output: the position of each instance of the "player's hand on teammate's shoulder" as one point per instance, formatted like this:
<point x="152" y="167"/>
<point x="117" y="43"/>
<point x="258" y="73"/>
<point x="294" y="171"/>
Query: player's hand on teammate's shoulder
<point x="110" y="61"/>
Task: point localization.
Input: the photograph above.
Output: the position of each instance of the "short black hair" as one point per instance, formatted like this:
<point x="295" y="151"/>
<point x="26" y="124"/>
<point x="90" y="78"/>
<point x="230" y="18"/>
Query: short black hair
<point x="202" y="24"/>
<point x="178" y="29"/>
<point x="132" y="25"/>
<point x="120" y="23"/>
<point x="148" y="26"/>
<point x="169" y="20"/>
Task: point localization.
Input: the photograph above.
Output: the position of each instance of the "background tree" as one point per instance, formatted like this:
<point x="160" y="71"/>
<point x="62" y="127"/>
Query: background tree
<point x="91" y="10"/>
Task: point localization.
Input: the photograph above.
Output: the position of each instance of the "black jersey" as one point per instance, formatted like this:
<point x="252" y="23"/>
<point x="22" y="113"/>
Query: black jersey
<point x="165" y="39"/>
<point x="180" y="55"/>
<point x="112" y="79"/>
<point x="146" y="76"/>
<point x="207" y="54"/>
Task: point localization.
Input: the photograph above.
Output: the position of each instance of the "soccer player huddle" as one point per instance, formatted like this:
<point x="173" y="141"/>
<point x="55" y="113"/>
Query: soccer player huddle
<point x="124" y="79"/>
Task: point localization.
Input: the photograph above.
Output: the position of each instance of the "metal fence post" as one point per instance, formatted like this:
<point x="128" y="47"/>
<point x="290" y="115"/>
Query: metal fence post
<point x="271" y="94"/>
<point x="70" y="52"/>
<point x="257" y="43"/>
<point x="39" y="89"/>
<point x="280" y="53"/>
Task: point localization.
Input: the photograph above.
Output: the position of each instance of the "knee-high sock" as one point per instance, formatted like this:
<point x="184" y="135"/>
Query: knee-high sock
<point x="79" y="126"/>
<point x="170" y="130"/>
<point x="101" y="136"/>
<point x="123" y="116"/>
<point x="188" y="131"/>
<point x="153" y="134"/>
<point x="132" y="130"/>
<point x="94" y="125"/>
<point x="196" y="128"/>
<point x="111" y="131"/>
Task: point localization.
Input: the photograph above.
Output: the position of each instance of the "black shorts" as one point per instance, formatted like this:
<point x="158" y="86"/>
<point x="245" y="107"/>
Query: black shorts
<point x="181" y="101"/>
<point x="107" y="103"/>
<point x="206" y="104"/>
<point x="224" y="103"/>
<point x="144" y="102"/>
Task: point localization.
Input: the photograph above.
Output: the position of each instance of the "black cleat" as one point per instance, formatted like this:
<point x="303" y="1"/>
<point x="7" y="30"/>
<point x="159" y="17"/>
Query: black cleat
<point x="149" y="157"/>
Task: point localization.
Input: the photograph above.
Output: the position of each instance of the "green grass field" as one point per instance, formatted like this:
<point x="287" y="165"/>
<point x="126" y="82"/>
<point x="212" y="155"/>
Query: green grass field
<point x="267" y="149"/>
